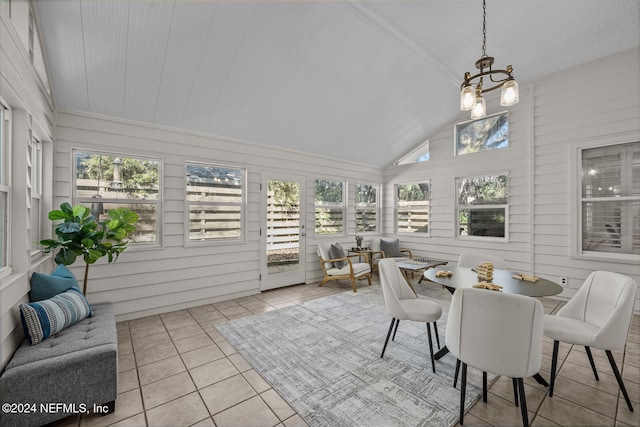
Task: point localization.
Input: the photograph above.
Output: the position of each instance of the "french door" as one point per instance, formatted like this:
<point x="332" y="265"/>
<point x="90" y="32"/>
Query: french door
<point x="282" y="232"/>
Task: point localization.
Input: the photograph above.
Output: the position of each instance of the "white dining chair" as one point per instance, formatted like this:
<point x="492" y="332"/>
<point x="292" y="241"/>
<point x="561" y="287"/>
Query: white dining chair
<point x="598" y="316"/>
<point x="469" y="260"/>
<point x="498" y="333"/>
<point x="401" y="303"/>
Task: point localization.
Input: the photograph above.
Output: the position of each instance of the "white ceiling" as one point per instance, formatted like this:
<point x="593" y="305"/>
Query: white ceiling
<point x="364" y="81"/>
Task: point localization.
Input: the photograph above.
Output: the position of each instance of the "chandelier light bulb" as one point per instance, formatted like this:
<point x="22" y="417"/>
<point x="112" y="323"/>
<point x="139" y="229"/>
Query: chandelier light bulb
<point x="467" y="98"/>
<point x="509" y="95"/>
<point x="480" y="110"/>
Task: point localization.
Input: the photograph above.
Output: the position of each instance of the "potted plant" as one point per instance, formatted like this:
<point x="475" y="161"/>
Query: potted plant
<point x="81" y="235"/>
<point x="358" y="241"/>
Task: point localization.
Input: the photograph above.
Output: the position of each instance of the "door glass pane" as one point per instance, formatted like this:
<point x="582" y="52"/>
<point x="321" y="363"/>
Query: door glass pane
<point x="283" y="226"/>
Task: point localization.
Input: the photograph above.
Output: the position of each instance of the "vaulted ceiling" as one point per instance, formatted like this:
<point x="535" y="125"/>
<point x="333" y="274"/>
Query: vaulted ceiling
<point x="359" y="80"/>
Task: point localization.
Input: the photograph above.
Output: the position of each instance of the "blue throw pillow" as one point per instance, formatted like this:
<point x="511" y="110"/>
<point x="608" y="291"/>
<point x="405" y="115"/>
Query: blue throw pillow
<point x="45" y="286"/>
<point x="45" y="318"/>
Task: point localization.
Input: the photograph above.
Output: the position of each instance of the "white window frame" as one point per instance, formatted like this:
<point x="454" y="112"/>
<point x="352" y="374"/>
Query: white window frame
<point x="397" y="213"/>
<point x="342" y="206"/>
<point x="159" y="202"/>
<point x="5" y="189"/>
<point x="575" y="165"/>
<point x="375" y="209"/>
<point x="34" y="192"/>
<point x="505" y="206"/>
<point x="243" y="208"/>
<point x="418" y="155"/>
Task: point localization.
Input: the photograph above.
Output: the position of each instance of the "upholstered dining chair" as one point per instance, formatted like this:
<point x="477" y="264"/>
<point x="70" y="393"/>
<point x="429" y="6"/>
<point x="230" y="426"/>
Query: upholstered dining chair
<point x="338" y="266"/>
<point x="401" y="303"/>
<point x="498" y="333"/>
<point x="599" y="316"/>
<point x="473" y="260"/>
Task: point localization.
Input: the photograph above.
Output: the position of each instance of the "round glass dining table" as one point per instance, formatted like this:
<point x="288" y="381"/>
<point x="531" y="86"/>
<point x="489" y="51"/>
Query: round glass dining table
<point x="465" y="278"/>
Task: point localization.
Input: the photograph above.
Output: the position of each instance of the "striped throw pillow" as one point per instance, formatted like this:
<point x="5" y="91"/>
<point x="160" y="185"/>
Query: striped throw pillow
<point x="45" y="318"/>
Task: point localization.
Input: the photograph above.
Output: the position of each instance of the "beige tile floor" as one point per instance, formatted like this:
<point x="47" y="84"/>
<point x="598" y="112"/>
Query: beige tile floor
<point x="175" y="369"/>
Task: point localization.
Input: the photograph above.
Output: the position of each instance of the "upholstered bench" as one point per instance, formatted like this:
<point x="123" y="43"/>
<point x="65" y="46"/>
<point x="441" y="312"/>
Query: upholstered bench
<point x="74" y="371"/>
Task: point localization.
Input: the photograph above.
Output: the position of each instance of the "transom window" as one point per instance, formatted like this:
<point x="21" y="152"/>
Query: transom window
<point x="482" y="206"/>
<point x="412" y="207"/>
<point x="215" y="202"/>
<point x="367" y="208"/>
<point x="106" y="181"/>
<point x="330" y="206"/>
<point x="610" y="199"/>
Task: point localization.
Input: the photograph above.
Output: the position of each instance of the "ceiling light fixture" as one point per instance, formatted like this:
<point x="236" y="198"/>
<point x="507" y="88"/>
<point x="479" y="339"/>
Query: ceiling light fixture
<point x="470" y="97"/>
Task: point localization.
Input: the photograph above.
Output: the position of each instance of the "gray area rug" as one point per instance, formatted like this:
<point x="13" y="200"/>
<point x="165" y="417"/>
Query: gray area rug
<point x="323" y="357"/>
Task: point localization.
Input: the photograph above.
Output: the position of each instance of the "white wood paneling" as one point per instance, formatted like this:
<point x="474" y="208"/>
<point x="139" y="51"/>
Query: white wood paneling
<point x="22" y="89"/>
<point x="155" y="280"/>
<point x="566" y="114"/>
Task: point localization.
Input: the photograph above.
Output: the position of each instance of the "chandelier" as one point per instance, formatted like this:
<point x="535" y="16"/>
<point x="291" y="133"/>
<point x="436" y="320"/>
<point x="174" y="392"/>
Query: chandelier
<point x="470" y="96"/>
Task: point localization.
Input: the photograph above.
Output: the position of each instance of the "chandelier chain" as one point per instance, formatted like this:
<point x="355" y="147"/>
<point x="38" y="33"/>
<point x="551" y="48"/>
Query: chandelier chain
<point x="484" y="28"/>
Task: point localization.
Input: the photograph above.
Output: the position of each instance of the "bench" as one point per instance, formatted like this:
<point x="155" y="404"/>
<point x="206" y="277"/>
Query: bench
<point x="72" y="372"/>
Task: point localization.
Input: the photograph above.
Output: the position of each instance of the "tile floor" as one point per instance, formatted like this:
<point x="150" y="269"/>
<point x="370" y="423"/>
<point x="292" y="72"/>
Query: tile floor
<point x="175" y="369"/>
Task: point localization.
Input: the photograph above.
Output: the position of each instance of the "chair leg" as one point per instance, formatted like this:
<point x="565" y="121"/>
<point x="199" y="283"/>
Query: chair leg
<point x="484" y="386"/>
<point x="619" y="378"/>
<point x="433" y="362"/>
<point x="369" y="279"/>
<point x="523" y="403"/>
<point x="554" y="364"/>
<point x="353" y="284"/>
<point x="463" y="390"/>
<point x="515" y="391"/>
<point x="393" y="320"/>
<point x="455" y="376"/>
<point x="435" y="328"/>
<point x="393" y="338"/>
<point x="593" y="365"/>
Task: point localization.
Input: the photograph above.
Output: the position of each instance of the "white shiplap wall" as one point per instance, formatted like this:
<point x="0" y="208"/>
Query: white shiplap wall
<point x="598" y="102"/>
<point x="594" y="104"/>
<point x="149" y="281"/>
<point x="25" y="94"/>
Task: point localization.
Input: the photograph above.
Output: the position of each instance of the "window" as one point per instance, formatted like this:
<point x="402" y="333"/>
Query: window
<point x="215" y="202"/>
<point x="610" y="199"/>
<point x="106" y="181"/>
<point x="367" y="208"/>
<point x="482" y="206"/>
<point x="488" y="133"/>
<point x="5" y="155"/>
<point x="417" y="155"/>
<point x="330" y="206"/>
<point x="34" y="192"/>
<point x="412" y="208"/>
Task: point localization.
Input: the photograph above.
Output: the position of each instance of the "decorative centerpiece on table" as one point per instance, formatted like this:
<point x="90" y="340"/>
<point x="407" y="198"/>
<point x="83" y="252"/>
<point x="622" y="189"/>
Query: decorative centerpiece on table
<point x="358" y="241"/>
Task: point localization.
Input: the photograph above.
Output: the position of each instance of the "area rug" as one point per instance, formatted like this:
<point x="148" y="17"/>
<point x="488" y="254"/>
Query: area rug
<point x="323" y="358"/>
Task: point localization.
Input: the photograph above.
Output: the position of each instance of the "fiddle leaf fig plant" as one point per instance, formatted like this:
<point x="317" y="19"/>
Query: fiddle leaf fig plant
<point x="79" y="234"/>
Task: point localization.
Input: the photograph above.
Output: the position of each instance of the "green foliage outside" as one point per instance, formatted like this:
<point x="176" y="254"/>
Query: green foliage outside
<point x="285" y="193"/>
<point x="80" y="235"/>
<point x="138" y="176"/>
<point x="413" y="192"/>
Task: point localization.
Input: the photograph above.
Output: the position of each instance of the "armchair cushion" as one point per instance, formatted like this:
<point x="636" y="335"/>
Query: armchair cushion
<point x="336" y="252"/>
<point x="391" y="248"/>
<point x="359" y="268"/>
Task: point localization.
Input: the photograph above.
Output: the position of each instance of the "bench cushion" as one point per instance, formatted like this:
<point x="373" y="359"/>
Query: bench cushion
<point x="76" y="366"/>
